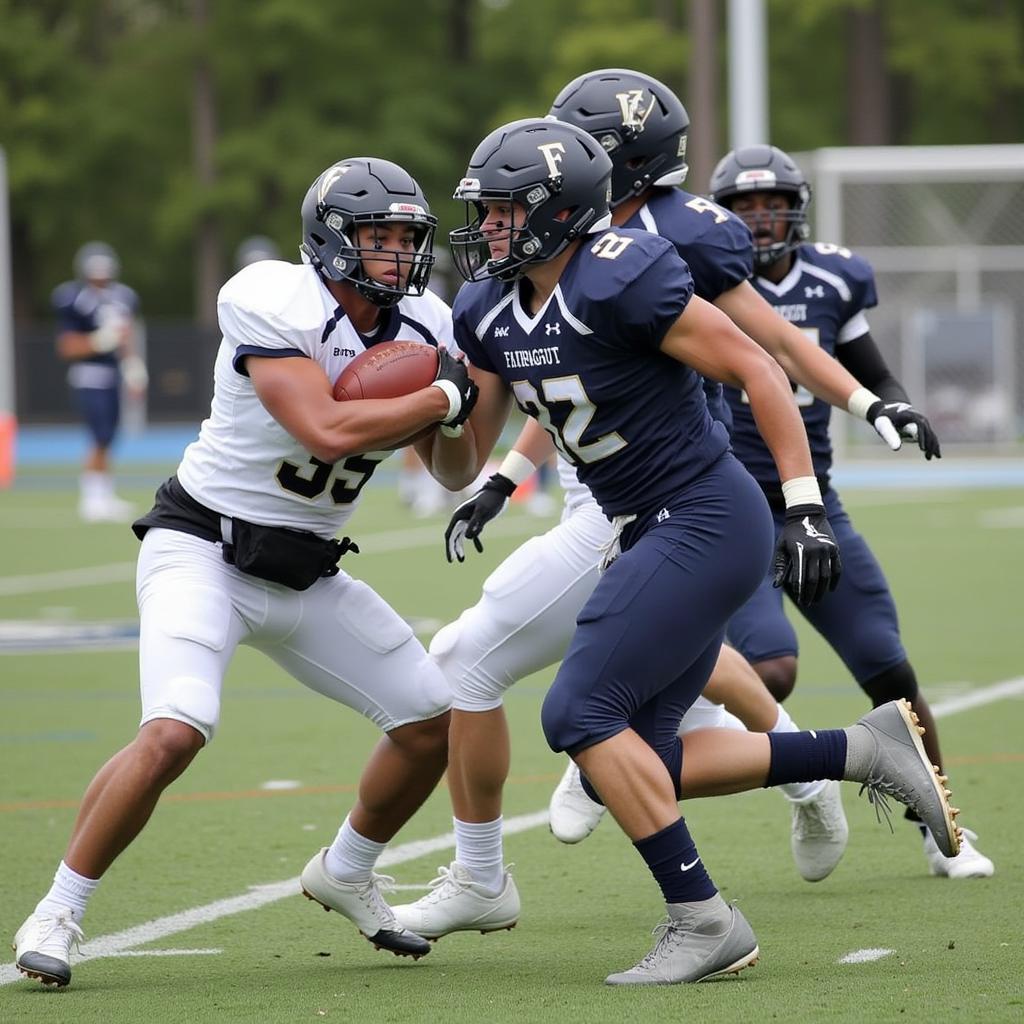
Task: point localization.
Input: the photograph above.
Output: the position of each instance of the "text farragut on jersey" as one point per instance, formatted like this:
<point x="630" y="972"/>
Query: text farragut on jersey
<point x="533" y="357"/>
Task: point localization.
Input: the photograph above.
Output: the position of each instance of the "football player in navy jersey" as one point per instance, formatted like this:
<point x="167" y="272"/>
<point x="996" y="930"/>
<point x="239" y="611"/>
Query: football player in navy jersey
<point x="96" y="337"/>
<point x="240" y="548"/>
<point x="824" y="289"/>
<point x="597" y="334"/>
<point x="643" y="126"/>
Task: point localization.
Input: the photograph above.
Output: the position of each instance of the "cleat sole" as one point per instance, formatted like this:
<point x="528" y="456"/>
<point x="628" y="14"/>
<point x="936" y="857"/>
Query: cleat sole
<point x="383" y="949"/>
<point x="949" y="813"/>
<point x="748" y="960"/>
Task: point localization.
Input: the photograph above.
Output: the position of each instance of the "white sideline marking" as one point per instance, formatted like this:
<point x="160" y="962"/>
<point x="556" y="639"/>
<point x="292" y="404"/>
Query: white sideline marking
<point x="167" y="952"/>
<point x="978" y="698"/>
<point x="257" y="896"/>
<point x="261" y="895"/>
<point x="865" y="956"/>
<point x="382" y="542"/>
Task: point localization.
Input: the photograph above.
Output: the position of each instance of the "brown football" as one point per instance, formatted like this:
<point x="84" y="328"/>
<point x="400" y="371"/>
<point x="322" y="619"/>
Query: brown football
<point x="388" y="369"/>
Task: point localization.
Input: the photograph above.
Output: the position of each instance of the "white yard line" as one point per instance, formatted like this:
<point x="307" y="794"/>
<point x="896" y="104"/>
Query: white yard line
<point x="261" y="895"/>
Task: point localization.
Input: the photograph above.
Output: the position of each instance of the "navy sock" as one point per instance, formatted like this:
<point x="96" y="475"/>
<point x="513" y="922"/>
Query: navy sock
<point x="677" y="868"/>
<point x="806" y="756"/>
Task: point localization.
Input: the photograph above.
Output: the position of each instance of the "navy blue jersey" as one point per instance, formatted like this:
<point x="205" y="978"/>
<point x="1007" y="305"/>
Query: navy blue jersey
<point x="82" y="308"/>
<point x="825" y="295"/>
<point x="715" y="243"/>
<point x="588" y="367"/>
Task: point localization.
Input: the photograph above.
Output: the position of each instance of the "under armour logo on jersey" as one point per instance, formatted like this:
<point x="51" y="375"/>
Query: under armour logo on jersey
<point x="553" y="329"/>
<point x="663" y="515"/>
<point x="501" y="332"/>
<point x="816" y="291"/>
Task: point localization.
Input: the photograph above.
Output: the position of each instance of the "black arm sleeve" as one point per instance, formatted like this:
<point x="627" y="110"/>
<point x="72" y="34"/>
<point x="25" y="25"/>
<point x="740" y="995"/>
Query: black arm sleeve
<point x="862" y="358"/>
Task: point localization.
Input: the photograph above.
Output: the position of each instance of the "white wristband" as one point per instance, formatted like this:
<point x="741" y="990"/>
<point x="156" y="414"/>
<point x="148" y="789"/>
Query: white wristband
<point x="860" y="401"/>
<point x="801" y="490"/>
<point x="454" y="397"/>
<point x="517" y="467"/>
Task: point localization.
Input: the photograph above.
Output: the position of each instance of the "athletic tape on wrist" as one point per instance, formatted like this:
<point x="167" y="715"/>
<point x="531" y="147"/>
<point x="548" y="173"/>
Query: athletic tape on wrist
<point x="860" y="401"/>
<point x="801" y="490"/>
<point x="517" y="467"/>
<point x="451" y="390"/>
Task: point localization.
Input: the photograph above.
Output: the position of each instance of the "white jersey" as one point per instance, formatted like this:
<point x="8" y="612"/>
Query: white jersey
<point x="244" y="462"/>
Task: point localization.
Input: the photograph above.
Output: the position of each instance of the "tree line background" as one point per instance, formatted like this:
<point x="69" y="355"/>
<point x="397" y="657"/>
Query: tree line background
<point x="173" y="129"/>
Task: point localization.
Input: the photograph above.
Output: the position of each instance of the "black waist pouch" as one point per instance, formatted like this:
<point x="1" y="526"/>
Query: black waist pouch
<point x="294" y="558"/>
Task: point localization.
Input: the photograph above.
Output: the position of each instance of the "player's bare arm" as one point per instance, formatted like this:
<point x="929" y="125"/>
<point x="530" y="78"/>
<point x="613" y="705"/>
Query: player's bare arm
<point x="297" y="393"/>
<point x="706" y="339"/>
<point x="803" y="361"/>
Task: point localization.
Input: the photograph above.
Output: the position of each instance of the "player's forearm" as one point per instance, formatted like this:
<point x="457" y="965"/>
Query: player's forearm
<point x="778" y="421"/>
<point x="534" y="443"/>
<point x="452" y="461"/>
<point x="807" y="364"/>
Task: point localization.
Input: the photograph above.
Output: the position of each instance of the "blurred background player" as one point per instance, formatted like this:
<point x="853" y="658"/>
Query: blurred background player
<point x="255" y="248"/>
<point x="97" y="337"/>
<point x="824" y="289"/>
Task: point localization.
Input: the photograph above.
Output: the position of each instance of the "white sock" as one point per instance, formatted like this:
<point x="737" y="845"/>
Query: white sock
<point x="351" y="857"/>
<point x="70" y="891"/>
<point x="94" y="485"/>
<point x="798" y="792"/>
<point x="478" y="849"/>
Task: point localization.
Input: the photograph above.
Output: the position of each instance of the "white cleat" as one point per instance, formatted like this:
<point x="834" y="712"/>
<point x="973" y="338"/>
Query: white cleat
<point x="363" y="904"/>
<point x="456" y="903"/>
<point x="43" y="944"/>
<point x="820" y="832"/>
<point x="572" y="815"/>
<point x="106" y="510"/>
<point x="970" y="862"/>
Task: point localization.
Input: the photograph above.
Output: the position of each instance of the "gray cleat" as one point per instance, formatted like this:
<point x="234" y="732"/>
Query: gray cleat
<point x="900" y="768"/>
<point x="696" y="942"/>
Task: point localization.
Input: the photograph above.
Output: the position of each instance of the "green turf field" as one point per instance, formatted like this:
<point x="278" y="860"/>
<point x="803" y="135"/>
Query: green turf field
<point x="201" y="919"/>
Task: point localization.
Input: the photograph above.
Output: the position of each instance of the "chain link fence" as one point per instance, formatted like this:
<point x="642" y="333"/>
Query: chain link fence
<point x="943" y="228"/>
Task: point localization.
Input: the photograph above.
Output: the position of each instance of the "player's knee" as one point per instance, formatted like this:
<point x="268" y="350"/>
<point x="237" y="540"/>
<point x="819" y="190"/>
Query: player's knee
<point x="778" y="675"/>
<point x="189" y="702"/>
<point x="426" y="740"/>
<point x="473" y="686"/>
<point x="892" y="684"/>
<point x="564" y="725"/>
<point x="168" y="747"/>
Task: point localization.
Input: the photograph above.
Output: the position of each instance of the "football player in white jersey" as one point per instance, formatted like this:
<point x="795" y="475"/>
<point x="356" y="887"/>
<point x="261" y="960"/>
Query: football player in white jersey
<point x="238" y="548"/>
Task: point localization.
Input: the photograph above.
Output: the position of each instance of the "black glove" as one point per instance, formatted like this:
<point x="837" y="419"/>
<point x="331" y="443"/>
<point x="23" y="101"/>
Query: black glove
<point x="455" y="370"/>
<point x="469" y="519"/>
<point x="807" y="559"/>
<point x="908" y="422"/>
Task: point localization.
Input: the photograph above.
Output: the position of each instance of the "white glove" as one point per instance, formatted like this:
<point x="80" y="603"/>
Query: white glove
<point x="106" y="338"/>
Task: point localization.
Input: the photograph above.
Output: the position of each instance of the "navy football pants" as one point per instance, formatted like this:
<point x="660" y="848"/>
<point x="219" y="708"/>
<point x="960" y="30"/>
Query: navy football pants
<point x="648" y="637"/>
<point x="100" y="408"/>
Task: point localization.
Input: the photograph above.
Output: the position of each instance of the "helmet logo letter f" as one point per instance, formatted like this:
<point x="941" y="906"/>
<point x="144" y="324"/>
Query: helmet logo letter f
<point x="553" y="156"/>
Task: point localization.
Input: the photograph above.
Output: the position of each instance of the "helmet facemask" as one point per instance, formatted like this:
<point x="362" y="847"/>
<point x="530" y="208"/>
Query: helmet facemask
<point x="794" y="217"/>
<point x="338" y="257"/>
<point x="528" y="242"/>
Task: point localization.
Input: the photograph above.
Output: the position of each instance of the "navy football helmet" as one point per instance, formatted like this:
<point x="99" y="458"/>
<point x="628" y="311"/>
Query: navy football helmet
<point x="765" y="169"/>
<point x="558" y="173"/>
<point x="366" y="190"/>
<point x="639" y="121"/>
<point x="96" y="261"/>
